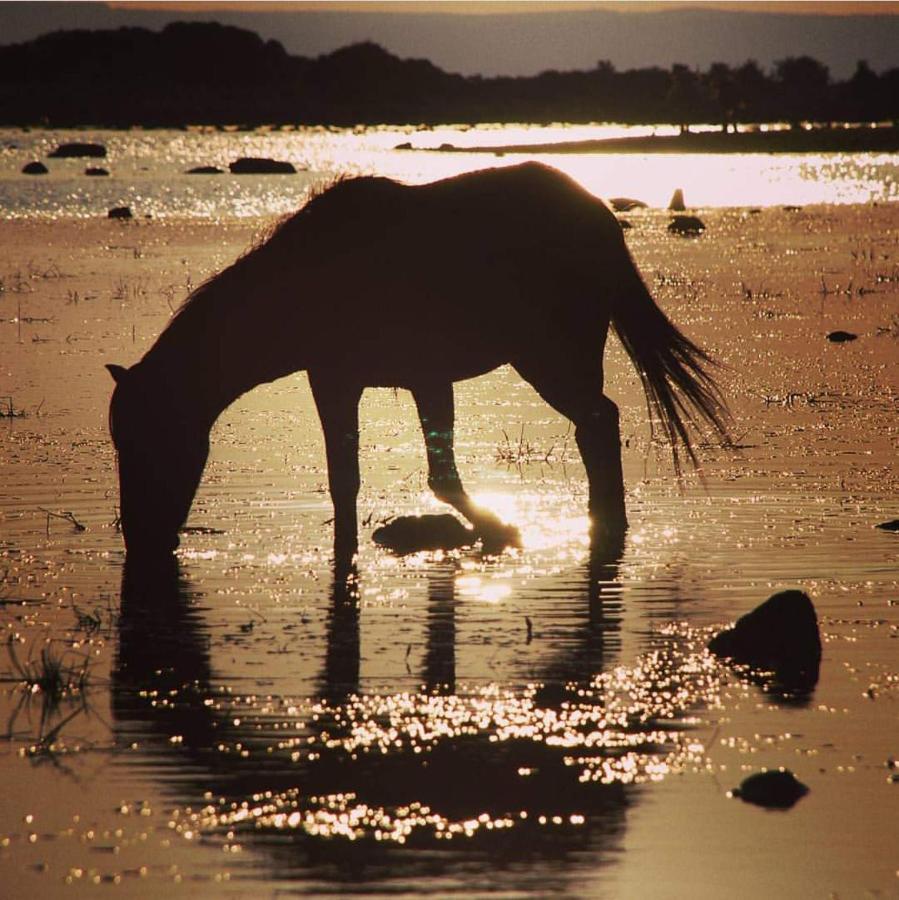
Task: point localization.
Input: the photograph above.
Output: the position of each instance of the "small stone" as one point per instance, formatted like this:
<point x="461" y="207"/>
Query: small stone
<point x="839" y="337"/>
<point x="259" y="165"/>
<point x="120" y="212"/>
<point x="625" y="204"/>
<point x="410" y="534"/>
<point x="773" y="790"/>
<point x="689" y="225"/>
<point x="78" y="148"/>
<point x="205" y="170"/>
<point x="34" y="168"/>
<point x="96" y="171"/>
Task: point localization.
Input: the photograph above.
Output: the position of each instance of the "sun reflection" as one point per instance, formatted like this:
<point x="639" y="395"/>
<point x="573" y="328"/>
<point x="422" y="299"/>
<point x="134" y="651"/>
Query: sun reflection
<point x="625" y="726"/>
<point x="538" y="519"/>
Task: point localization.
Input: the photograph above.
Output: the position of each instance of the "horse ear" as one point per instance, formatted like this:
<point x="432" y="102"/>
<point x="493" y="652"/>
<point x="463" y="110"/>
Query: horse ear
<point x="117" y="372"/>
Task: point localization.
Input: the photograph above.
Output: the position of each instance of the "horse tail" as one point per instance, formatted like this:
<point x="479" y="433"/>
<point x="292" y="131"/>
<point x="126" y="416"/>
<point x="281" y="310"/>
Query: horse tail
<point x="680" y="392"/>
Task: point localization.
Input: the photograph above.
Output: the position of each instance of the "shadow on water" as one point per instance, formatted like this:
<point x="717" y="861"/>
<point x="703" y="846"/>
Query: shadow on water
<point x="429" y="787"/>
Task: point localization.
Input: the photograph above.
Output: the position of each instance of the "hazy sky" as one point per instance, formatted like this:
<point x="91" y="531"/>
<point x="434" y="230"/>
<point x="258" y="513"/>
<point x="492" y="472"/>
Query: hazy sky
<point x="517" y="38"/>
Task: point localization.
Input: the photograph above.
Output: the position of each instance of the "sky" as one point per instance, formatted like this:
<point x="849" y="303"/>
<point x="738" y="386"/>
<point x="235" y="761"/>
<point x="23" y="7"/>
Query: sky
<point x="515" y="38"/>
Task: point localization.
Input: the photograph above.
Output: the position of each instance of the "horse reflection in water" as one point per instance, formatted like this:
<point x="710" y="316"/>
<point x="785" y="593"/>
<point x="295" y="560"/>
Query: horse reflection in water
<point x="373" y="283"/>
<point x="163" y="685"/>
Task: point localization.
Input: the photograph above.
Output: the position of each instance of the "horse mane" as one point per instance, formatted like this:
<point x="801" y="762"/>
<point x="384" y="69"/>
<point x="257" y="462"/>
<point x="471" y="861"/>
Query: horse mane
<point x="268" y="239"/>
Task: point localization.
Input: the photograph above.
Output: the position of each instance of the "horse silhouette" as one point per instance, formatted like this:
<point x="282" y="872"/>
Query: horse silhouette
<point x="378" y="284"/>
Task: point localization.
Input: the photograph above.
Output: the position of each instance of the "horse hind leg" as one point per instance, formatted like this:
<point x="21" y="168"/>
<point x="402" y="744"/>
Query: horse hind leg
<point x="576" y="392"/>
<point x="436" y="414"/>
<point x="338" y="409"/>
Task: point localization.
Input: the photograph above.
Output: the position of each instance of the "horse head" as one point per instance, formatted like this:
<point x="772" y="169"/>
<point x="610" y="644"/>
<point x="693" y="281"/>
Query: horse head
<point x="161" y="453"/>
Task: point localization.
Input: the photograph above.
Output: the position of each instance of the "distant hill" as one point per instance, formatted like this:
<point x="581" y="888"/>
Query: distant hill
<point x="208" y="73"/>
<point x="512" y="44"/>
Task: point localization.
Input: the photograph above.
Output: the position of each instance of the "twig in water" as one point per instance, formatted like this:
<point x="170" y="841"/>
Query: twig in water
<point x="66" y="515"/>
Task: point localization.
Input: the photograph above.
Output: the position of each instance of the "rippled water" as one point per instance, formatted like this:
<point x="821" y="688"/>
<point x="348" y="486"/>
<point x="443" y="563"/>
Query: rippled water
<point x="242" y="723"/>
<point x="147" y="169"/>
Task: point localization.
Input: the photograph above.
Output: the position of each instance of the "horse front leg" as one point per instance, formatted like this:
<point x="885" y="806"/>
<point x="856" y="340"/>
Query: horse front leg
<point x="436" y="414"/>
<point x="338" y="408"/>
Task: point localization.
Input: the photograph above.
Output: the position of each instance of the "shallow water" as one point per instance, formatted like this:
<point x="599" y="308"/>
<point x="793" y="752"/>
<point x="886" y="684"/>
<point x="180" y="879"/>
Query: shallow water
<point x="453" y="723"/>
<point x="147" y="169"/>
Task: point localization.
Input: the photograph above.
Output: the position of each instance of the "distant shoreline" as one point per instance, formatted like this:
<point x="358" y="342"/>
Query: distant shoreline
<point x="813" y="140"/>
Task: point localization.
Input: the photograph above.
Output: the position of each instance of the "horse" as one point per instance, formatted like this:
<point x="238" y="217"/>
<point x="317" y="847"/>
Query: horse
<point x="373" y="283"/>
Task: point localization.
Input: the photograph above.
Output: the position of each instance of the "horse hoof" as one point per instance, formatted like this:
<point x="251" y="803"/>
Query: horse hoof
<point x="498" y="536"/>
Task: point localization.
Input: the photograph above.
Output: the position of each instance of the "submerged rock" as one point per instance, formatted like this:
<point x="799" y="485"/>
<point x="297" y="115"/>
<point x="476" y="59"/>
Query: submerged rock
<point x="840" y="337"/>
<point x="626" y="204"/>
<point x="686" y="225"/>
<point x="780" y="636"/>
<point x="77" y="148"/>
<point x="261" y="165"/>
<point x="409" y="534"/>
<point x="34" y="168"/>
<point x="773" y="790"/>
<point x="120" y="212"/>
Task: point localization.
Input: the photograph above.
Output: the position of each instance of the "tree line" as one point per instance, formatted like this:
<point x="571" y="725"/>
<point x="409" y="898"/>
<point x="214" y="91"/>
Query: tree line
<point x="206" y="73"/>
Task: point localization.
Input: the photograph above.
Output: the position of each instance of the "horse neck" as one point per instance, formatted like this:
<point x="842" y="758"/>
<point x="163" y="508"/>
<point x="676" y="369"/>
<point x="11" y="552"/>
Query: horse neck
<point x="221" y="345"/>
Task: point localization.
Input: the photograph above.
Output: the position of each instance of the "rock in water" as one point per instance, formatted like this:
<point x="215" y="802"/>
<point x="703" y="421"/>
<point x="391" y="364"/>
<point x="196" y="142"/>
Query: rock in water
<point x="839" y="337"/>
<point x="259" y="165"/>
<point x="96" y="171"/>
<point x="781" y="636"/>
<point x="677" y="201"/>
<point x="686" y="225"/>
<point x="34" y="168"/>
<point x="625" y="204"/>
<point x="120" y="212"/>
<point x="204" y="170"/>
<point x="773" y="790"/>
<point x="409" y="534"/>
<point x="77" y="148"/>
<point x="892" y="525"/>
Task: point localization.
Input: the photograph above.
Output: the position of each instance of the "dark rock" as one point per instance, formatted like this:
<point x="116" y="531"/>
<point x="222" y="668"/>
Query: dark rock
<point x="773" y="790"/>
<point x="447" y="147"/>
<point x="892" y="525"/>
<point x="626" y="204"/>
<point x="406" y="145"/>
<point x="840" y="337"/>
<point x="409" y="534"/>
<point x="624" y="224"/>
<point x="260" y="165"/>
<point x="205" y="170"/>
<point x="120" y="212"/>
<point x="791" y="208"/>
<point x="781" y="636"/>
<point x="677" y="201"/>
<point x="78" y="149"/>
<point x="96" y="171"/>
<point x="34" y="168"/>
<point x="686" y="225"/>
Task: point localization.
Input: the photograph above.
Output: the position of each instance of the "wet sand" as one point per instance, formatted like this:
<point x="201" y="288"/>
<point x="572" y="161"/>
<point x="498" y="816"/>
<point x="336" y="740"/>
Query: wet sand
<point x="512" y="725"/>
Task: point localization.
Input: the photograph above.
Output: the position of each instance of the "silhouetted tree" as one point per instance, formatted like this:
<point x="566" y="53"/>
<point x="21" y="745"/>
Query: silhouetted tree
<point x="722" y="91"/>
<point x="803" y="83"/>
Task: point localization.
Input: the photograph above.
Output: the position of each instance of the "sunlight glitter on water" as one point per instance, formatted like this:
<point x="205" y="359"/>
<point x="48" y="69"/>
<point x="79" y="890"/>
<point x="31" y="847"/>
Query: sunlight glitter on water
<point x="147" y="169"/>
